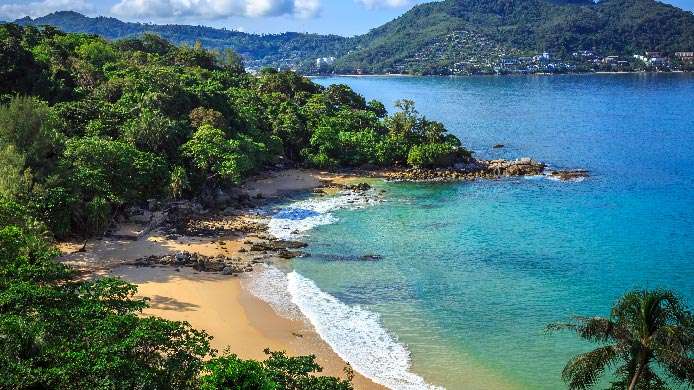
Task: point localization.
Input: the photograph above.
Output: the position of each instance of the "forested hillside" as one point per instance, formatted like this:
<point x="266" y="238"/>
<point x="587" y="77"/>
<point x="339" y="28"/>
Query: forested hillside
<point x="436" y="37"/>
<point x="275" y="50"/>
<point x="440" y="34"/>
<point x="89" y="126"/>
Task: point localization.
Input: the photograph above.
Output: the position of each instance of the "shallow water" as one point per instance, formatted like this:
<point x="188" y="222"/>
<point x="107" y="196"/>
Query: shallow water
<point x="472" y="272"/>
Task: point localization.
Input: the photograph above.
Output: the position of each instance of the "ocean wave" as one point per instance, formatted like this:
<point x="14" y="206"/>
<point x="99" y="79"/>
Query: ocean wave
<point x="301" y="216"/>
<point x="270" y="284"/>
<point x="356" y="335"/>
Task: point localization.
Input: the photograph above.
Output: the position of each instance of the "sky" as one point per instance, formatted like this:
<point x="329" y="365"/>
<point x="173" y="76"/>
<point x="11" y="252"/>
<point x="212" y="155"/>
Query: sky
<point x="342" y="17"/>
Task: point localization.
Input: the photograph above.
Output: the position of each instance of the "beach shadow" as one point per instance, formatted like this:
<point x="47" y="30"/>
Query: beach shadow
<point x="159" y="302"/>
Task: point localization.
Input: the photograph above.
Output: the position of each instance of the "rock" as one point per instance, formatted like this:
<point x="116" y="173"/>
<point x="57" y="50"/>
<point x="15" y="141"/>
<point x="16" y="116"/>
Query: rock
<point x="361" y="187"/>
<point x="285" y="254"/>
<point x="221" y="198"/>
<point x="182" y="257"/>
<point x="228" y="271"/>
<point x="153" y="205"/>
<point x="567" y="175"/>
<point x="277" y="245"/>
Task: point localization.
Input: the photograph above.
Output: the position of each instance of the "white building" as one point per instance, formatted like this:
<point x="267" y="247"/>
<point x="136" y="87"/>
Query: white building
<point x="325" y="61"/>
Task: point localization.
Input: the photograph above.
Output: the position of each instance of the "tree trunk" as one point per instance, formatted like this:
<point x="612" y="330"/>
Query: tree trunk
<point x="637" y="373"/>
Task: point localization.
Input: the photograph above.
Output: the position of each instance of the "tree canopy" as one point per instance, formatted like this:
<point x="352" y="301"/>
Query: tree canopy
<point x="94" y="126"/>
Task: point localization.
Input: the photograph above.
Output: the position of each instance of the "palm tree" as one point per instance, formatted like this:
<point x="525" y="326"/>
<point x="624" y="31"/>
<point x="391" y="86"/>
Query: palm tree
<point x="646" y="329"/>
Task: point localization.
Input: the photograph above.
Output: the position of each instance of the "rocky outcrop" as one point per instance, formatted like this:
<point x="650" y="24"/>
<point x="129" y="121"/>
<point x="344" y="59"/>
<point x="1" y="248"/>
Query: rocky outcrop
<point x="570" y="175"/>
<point x="283" y="249"/>
<point x="471" y="170"/>
<point x="191" y="219"/>
<point x="220" y="264"/>
<point x="360" y="187"/>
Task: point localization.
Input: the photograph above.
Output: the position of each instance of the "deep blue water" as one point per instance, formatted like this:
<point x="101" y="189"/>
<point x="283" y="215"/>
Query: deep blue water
<point x="472" y="272"/>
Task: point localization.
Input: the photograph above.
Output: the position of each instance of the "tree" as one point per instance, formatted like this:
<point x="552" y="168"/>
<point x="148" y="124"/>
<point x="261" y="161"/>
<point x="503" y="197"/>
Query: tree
<point x="223" y="159"/>
<point x="27" y="125"/>
<point x="649" y="332"/>
<point x="277" y="372"/>
<point x="152" y="131"/>
<point x="432" y="155"/>
<point x="56" y="332"/>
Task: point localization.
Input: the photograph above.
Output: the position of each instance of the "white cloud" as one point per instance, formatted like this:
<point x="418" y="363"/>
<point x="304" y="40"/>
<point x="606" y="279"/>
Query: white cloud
<point x="41" y="8"/>
<point x="215" y="9"/>
<point x="374" y="4"/>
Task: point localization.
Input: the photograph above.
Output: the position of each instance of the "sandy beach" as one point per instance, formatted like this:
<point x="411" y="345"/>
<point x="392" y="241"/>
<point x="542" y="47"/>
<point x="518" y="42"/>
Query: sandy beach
<point x="216" y="303"/>
<point x="236" y="319"/>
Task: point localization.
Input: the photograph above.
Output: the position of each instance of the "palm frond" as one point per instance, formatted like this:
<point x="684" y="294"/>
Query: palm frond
<point x="596" y="329"/>
<point x="583" y="370"/>
<point x="679" y="365"/>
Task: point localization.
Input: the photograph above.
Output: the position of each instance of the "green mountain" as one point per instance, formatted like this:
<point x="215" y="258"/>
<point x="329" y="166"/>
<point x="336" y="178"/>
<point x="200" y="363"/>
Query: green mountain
<point x="440" y="34"/>
<point x="288" y="49"/>
<point x="438" y="37"/>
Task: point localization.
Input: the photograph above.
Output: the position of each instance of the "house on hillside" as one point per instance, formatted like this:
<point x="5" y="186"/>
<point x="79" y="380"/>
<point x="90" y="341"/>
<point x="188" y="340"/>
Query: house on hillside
<point x="685" y="56"/>
<point x="654" y="58"/>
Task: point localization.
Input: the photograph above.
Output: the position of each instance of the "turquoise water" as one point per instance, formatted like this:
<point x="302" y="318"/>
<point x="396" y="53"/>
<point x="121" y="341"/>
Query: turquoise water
<point x="472" y="272"/>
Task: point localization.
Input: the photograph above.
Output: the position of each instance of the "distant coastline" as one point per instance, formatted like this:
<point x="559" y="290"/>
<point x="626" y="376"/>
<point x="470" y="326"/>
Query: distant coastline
<point x="498" y="74"/>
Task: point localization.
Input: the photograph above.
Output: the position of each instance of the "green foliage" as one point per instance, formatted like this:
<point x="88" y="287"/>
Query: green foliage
<point x="97" y="53"/>
<point x="649" y="333"/>
<point x="432" y="155"/>
<point x="278" y="372"/>
<point x="206" y="116"/>
<point x="111" y="124"/>
<point x="27" y="133"/>
<point x="433" y="37"/>
<point x="154" y="132"/>
<point x="221" y="158"/>
<point x="15" y="178"/>
<point x="115" y="170"/>
<point x="179" y="182"/>
<point x="61" y="333"/>
<point x="230" y="372"/>
<point x="353" y="137"/>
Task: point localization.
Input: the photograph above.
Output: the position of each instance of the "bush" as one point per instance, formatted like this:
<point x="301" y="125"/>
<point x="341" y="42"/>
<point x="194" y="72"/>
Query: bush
<point x="63" y="334"/>
<point x="27" y="125"/>
<point x="223" y="159"/>
<point x="206" y="116"/>
<point x="432" y="155"/>
<point x="278" y="371"/>
<point x="152" y="131"/>
<point x="114" y="170"/>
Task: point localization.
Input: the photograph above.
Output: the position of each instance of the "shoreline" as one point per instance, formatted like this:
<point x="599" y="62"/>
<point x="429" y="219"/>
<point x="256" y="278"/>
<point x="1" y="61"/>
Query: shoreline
<point x="238" y="321"/>
<point x="182" y="265"/>
<point x="218" y="304"/>
<point x="497" y="74"/>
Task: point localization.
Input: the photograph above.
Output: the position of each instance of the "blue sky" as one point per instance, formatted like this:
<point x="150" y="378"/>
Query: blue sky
<point x="344" y="17"/>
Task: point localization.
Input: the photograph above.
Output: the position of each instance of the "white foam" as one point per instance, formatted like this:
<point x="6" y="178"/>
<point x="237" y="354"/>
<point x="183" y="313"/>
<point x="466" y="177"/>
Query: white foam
<point x="356" y="335"/>
<point x="269" y="284"/>
<point x="305" y="215"/>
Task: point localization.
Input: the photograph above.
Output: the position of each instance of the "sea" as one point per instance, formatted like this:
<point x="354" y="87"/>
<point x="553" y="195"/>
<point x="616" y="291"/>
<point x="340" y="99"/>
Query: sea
<point x="424" y="286"/>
